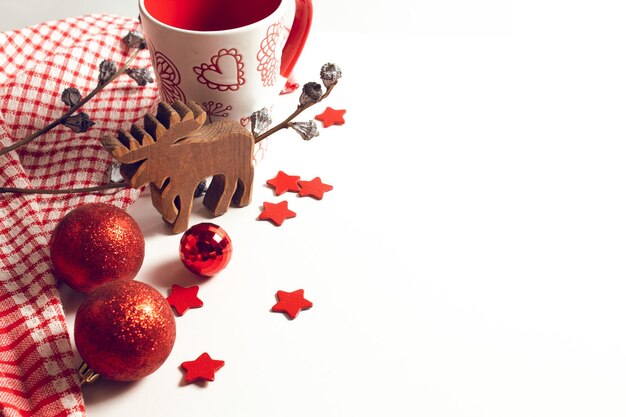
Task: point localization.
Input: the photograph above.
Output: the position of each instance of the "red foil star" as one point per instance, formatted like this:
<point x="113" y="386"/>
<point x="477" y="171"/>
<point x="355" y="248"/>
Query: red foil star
<point x="291" y="303"/>
<point x="182" y="299"/>
<point x="290" y="87"/>
<point x="201" y="369"/>
<point x="276" y="213"/>
<point x="314" y="188"/>
<point x="283" y="182"/>
<point x="331" y="117"/>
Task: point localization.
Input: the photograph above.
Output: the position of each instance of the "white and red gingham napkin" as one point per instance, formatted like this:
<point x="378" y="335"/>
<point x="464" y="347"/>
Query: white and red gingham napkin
<point x="37" y="362"/>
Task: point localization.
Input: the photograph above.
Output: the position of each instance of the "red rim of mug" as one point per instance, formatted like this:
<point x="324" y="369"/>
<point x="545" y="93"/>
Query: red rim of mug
<point x="233" y="14"/>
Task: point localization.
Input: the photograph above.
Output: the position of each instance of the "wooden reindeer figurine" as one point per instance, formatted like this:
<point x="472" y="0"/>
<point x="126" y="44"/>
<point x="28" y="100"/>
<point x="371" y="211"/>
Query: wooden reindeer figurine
<point x="175" y="150"/>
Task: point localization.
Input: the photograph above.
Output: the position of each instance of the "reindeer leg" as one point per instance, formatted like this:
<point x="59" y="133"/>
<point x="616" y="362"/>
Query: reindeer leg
<point x="157" y="197"/>
<point x="245" y="175"/>
<point x="243" y="194"/>
<point x="184" y="211"/>
<point x="164" y="201"/>
<point x="174" y="208"/>
<point x="220" y="194"/>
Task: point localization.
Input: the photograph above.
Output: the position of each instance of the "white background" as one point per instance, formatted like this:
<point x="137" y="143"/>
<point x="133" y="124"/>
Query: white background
<point x="470" y="260"/>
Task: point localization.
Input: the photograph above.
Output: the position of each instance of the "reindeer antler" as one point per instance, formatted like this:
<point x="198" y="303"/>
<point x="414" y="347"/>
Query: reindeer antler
<point x="172" y="122"/>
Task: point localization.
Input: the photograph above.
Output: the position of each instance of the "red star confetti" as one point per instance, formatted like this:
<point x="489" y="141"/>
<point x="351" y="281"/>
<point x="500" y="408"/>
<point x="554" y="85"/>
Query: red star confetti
<point x="283" y="182"/>
<point x="331" y="117"/>
<point x="314" y="188"/>
<point x="289" y="87"/>
<point x="291" y="303"/>
<point x="277" y="213"/>
<point x="182" y="299"/>
<point x="201" y="369"/>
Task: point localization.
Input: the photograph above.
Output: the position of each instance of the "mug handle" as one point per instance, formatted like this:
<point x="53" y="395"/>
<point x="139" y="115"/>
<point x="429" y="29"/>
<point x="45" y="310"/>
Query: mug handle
<point x="297" y="36"/>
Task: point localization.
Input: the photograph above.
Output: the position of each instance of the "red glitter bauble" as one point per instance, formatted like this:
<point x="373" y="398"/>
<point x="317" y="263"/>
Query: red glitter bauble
<point x="94" y="244"/>
<point x="205" y="249"/>
<point x="124" y="330"/>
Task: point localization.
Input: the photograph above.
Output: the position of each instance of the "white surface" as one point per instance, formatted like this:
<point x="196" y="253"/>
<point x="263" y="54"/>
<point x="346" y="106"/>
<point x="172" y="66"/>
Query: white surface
<point x="470" y="260"/>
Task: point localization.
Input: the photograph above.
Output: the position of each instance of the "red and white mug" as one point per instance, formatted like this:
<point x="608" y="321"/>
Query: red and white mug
<point x="231" y="57"/>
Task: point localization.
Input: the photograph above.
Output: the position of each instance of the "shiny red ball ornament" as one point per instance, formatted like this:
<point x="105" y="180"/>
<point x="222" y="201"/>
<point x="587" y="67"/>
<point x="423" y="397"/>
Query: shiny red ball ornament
<point x="124" y="330"/>
<point x="95" y="244"/>
<point x="205" y="249"/>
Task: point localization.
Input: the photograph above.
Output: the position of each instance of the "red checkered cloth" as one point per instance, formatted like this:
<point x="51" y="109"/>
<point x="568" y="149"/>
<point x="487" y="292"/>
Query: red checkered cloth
<point x="37" y="362"/>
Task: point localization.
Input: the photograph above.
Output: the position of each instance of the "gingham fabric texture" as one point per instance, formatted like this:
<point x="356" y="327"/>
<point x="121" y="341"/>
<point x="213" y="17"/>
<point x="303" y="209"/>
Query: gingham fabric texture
<point x="37" y="361"/>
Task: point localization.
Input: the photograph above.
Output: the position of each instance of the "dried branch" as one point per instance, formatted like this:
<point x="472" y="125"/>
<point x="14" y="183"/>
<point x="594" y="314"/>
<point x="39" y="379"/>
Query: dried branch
<point x="301" y="107"/>
<point x="16" y="190"/>
<point x="72" y="110"/>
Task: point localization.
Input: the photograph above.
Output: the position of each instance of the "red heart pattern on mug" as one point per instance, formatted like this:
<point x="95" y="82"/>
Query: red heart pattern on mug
<point x="168" y="78"/>
<point x="268" y="63"/>
<point x="225" y="72"/>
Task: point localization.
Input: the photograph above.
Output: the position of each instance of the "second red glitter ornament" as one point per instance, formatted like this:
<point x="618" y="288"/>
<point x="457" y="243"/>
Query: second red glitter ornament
<point x="124" y="330"/>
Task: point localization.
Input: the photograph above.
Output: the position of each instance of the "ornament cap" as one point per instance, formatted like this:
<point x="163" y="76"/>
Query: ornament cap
<point x="87" y="375"/>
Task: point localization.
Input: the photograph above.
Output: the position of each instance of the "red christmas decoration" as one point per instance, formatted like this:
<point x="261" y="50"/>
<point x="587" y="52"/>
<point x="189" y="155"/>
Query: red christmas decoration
<point x="124" y="330"/>
<point x="289" y="87"/>
<point x="95" y="244"/>
<point x="283" y="182"/>
<point x="205" y="249"/>
<point x="314" y="188"/>
<point x="201" y="369"/>
<point x="276" y="213"/>
<point x="331" y="117"/>
<point x="182" y="298"/>
<point x="291" y="303"/>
